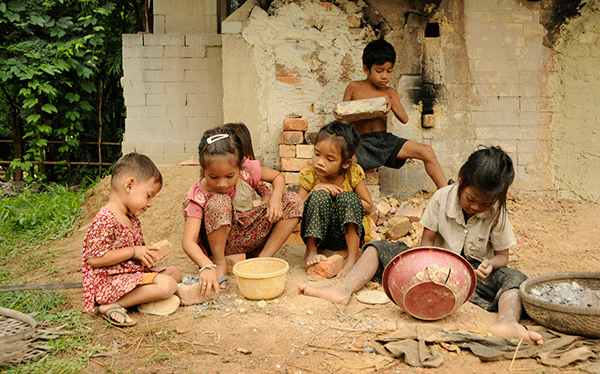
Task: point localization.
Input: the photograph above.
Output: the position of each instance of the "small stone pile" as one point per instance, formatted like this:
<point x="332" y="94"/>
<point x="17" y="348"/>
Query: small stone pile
<point x="397" y="220"/>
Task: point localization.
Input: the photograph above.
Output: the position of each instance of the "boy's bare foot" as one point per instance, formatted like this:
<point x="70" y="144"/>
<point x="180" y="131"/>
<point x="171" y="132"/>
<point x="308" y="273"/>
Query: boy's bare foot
<point x="334" y="293"/>
<point x="514" y="330"/>
<point x="313" y="259"/>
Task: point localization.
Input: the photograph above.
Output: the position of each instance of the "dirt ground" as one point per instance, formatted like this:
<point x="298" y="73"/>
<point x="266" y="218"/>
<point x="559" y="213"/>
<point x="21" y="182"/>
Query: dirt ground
<point x="295" y="333"/>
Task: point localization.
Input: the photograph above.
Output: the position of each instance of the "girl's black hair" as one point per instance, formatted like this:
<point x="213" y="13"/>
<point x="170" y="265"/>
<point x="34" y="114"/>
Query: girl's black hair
<point x="242" y="131"/>
<point x="343" y="135"/>
<point x="491" y="171"/>
<point x="227" y="144"/>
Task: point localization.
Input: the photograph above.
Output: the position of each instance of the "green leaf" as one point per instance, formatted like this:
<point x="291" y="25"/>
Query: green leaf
<point x="33" y="118"/>
<point x="49" y="108"/>
<point x="13" y="17"/>
<point x="30" y="102"/>
<point x="2" y="7"/>
<point x="72" y="97"/>
<point x="41" y="143"/>
<point x="72" y="116"/>
<point x="45" y="129"/>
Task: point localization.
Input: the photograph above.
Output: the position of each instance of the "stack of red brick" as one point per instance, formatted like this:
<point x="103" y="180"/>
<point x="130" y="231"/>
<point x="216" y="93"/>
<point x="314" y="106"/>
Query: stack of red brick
<point x="296" y="149"/>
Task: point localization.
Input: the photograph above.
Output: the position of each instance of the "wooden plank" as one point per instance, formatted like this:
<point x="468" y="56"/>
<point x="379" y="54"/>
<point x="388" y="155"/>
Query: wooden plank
<point x="40" y="286"/>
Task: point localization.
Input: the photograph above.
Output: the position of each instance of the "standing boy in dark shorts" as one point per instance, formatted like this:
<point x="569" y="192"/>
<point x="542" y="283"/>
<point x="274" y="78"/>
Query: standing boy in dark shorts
<point x="379" y="147"/>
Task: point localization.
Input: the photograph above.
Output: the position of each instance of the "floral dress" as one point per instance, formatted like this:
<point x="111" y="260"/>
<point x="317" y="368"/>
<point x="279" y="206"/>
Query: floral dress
<point x="250" y="229"/>
<point x="105" y="285"/>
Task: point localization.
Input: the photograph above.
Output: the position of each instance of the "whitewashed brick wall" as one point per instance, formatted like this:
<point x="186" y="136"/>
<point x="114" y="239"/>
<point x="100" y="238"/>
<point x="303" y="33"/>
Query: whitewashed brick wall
<point x="173" y="93"/>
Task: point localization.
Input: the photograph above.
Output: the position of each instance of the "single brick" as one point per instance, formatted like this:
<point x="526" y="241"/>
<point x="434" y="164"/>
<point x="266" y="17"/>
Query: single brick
<point x="291" y="177"/>
<point x="407" y="210"/>
<point x="383" y="208"/>
<point x="189" y="294"/>
<point x="399" y="227"/>
<point x="304" y="150"/>
<point x="294" y="164"/>
<point x="354" y="21"/>
<point x="295" y="124"/>
<point x="292" y="137"/>
<point x="328" y="268"/>
<point x="286" y="150"/>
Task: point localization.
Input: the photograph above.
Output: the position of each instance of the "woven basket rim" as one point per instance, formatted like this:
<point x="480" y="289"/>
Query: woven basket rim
<point x="569" y="275"/>
<point x="15" y="314"/>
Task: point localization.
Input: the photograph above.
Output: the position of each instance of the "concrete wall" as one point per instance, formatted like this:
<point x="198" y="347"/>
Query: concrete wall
<point x="173" y="92"/>
<point x="489" y="69"/>
<point x="185" y="17"/>
<point x="576" y="121"/>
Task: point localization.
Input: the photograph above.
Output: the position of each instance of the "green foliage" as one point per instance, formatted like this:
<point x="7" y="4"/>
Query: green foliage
<point x="59" y="80"/>
<point x="35" y="218"/>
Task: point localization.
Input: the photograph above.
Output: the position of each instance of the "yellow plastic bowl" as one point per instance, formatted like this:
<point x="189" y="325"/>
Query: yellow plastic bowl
<point x="261" y="278"/>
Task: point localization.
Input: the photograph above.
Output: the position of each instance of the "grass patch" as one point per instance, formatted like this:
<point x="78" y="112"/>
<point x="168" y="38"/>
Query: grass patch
<point x="34" y="218"/>
<point x="70" y="352"/>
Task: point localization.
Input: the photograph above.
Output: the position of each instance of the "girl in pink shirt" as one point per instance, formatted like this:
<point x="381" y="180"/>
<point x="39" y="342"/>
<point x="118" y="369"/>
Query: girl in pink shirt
<point x="214" y="228"/>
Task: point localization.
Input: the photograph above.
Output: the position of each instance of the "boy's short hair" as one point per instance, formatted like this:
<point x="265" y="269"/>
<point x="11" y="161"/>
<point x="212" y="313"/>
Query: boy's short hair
<point x="378" y="52"/>
<point x="136" y="165"/>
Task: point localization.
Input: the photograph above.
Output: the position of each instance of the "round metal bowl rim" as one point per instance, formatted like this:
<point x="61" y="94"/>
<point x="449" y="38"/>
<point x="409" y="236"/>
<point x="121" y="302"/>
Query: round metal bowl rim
<point x="273" y="274"/>
<point x="573" y="276"/>
<point x="397" y="258"/>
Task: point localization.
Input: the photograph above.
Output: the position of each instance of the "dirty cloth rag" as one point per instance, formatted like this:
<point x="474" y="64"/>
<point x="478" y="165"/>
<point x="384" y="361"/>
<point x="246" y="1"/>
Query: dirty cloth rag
<point x="418" y="345"/>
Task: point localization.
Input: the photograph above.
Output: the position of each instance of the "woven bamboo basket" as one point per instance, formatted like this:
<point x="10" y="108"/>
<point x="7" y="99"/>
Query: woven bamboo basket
<point x="568" y="319"/>
<point x="16" y="329"/>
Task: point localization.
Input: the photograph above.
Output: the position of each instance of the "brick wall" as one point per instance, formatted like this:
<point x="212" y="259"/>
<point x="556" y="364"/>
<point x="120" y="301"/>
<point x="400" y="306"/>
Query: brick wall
<point x="173" y="93"/>
<point x="488" y="66"/>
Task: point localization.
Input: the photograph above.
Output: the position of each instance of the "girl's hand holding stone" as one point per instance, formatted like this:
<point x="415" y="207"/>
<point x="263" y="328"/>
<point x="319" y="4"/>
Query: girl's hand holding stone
<point x="274" y="210"/>
<point x="145" y="255"/>
<point x="484" y="269"/>
<point x="209" y="285"/>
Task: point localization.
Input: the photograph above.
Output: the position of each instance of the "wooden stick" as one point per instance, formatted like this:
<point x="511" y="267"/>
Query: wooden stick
<point x="40" y="286"/>
<point x="514" y="356"/>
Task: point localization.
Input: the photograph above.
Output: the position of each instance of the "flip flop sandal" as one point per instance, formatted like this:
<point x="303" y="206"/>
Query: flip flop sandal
<point x="161" y="307"/>
<point x="119" y="310"/>
<point x="223" y="279"/>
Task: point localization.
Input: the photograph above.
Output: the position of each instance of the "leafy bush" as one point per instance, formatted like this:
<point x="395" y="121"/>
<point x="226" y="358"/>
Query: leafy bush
<point x="60" y="64"/>
<point x="34" y="218"/>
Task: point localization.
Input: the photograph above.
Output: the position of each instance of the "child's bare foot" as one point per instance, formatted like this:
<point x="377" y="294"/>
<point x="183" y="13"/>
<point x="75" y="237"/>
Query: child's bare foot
<point x="312" y="259"/>
<point x="345" y="270"/>
<point x="334" y="293"/>
<point x="514" y="330"/>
